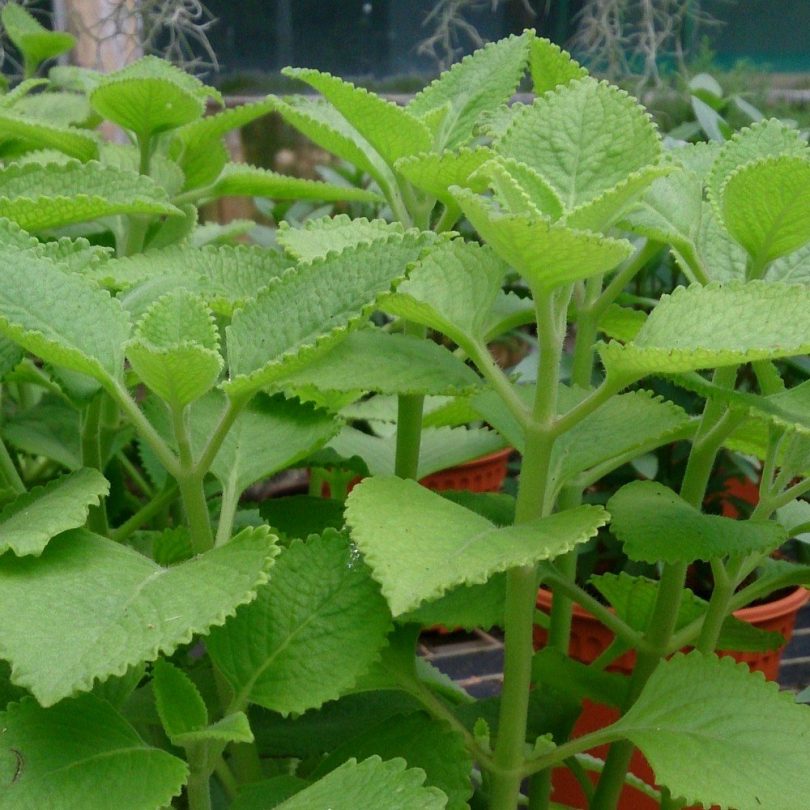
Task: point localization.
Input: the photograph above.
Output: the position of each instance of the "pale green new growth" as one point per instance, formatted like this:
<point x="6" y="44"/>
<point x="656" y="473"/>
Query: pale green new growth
<point x="32" y="519"/>
<point x="318" y="237"/>
<point x="33" y="40"/>
<point x="551" y="67"/>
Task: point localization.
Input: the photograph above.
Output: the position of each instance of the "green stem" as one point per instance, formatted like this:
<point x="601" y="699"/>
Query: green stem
<point x="135" y="474"/>
<point x="623" y="275"/>
<point x="447" y="219"/>
<point x="150" y="510"/>
<point x="227" y="513"/>
<point x="232" y="410"/>
<point x="409" y="423"/>
<point x="198" y="788"/>
<point x="492" y="372"/>
<point x="8" y="472"/>
<point x="226" y="778"/>
<point x="91" y="457"/>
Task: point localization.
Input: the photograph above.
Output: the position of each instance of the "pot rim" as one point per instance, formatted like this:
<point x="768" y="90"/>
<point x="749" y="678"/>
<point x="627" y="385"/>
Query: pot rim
<point x="498" y="455"/>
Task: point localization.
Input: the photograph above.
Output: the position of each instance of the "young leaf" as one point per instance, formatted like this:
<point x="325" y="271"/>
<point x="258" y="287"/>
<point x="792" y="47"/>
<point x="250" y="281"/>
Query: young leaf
<point x="372" y="783"/>
<point x="373" y="360"/>
<point x="178" y="701"/>
<point x="37" y="134"/>
<point x="478" y="83"/>
<point x="392" y="130"/>
<point x="35" y="42"/>
<point x="518" y="188"/>
<point x="175" y="349"/>
<point x="60" y="317"/>
<point x="551" y="67"/>
<point x="583" y="139"/>
<point x="146" y="609"/>
<point x="32" y="519"/>
<point x="703" y="327"/>
<point x="420" y="545"/>
<point x="546" y="254"/>
<point x="655" y="524"/>
<point x="318" y="237"/>
<point x="79" y="754"/>
<point x="320" y="300"/>
<point x="766" y="207"/>
<point x="745" y="725"/>
<point x="308" y="637"/>
<point x="150" y="96"/>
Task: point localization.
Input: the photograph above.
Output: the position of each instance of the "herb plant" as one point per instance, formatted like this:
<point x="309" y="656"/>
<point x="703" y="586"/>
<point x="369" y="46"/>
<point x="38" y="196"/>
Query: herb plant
<point x="168" y="644"/>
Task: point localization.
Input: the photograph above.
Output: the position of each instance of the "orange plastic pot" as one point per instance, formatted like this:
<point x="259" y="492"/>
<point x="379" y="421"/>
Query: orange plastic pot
<point x="589" y="638"/>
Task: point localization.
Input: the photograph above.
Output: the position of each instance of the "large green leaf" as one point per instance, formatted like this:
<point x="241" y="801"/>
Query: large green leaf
<point x="150" y="96"/>
<point x="77" y="756"/>
<point x="420" y="545"/>
<point x="44" y="197"/>
<point x="33" y="518"/>
<point x="38" y="134"/>
<point x="550" y="66"/>
<point x="240" y="179"/>
<point x="423" y="743"/>
<point x="478" y="83"/>
<point x="701" y="709"/>
<point x="372" y="783"/>
<point x="373" y="360"/>
<point x="51" y="429"/>
<point x="766" y="207"/>
<point x="453" y="290"/>
<point x="32" y="39"/>
<point x="392" y="130"/>
<point x="657" y="525"/>
<point x="308" y="637"/>
<point x="175" y="349"/>
<point x="60" y="317"/>
<point x="703" y="327"/>
<point x="546" y="254"/>
<point x="116" y="607"/>
<point x="311" y="307"/>
<point x="584" y="138"/>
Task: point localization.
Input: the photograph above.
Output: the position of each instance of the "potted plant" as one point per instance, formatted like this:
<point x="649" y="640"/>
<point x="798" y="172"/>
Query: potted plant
<point x="197" y="651"/>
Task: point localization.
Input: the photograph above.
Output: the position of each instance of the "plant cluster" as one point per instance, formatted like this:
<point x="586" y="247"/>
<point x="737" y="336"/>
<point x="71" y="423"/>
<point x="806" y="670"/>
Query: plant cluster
<point x="165" y="643"/>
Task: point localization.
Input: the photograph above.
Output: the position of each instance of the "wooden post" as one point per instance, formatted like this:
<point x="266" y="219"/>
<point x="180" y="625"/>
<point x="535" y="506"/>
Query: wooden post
<point x="106" y="32"/>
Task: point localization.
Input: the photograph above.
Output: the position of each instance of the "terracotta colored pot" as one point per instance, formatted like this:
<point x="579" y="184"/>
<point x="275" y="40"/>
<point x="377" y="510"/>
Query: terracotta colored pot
<point x="589" y="637"/>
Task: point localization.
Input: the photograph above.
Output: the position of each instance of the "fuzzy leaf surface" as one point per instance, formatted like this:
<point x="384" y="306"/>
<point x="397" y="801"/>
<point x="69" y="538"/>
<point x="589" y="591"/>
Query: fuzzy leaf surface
<point x="372" y="783"/>
<point x="436" y="172"/>
<point x="546" y="254"/>
<point x="706" y="327"/>
<point x="420" y="545"/>
<point x="478" y="83"/>
<point x="309" y="636"/>
<point x="585" y="138"/>
<point x="78" y="754"/>
<point x="550" y="66"/>
<point x="372" y="360"/>
<point x="745" y="725"/>
<point x="33" y="518"/>
<point x="60" y="317"/>
<point x="656" y="524"/>
<point x="38" y="134"/>
<point x="117" y="608"/>
<point x="178" y="701"/>
<point x="31" y="38"/>
<point x="319" y="301"/>
<point x="392" y="130"/>
<point x="318" y="237"/>
<point x="766" y="207"/>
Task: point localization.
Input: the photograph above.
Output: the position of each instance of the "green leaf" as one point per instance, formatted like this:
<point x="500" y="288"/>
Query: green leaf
<point x="38" y="134"/>
<point x="44" y="197"/>
<point x="392" y="130"/>
<point x="436" y="172"/>
<point x="61" y="756"/>
<point x="33" y="518"/>
<point x="60" y="317"/>
<point x="240" y="179"/>
<point x="63" y="109"/>
<point x="50" y="429"/>
<point x="744" y="726"/>
<point x="134" y="610"/>
<point x="372" y="783"/>
<point x="478" y="83"/>
<point x="150" y="96"/>
<point x="550" y="66"/>
<point x="308" y="637"/>
<point x="423" y="743"/>
<point x="766" y="207"/>
<point x="267" y="793"/>
<point x="302" y="515"/>
<point x="553" y="669"/>
<point x="10" y="356"/>
<point x="179" y="703"/>
<point x="320" y="300"/>
<point x="705" y="327"/>
<point x="318" y="237"/>
<point x="519" y="188"/>
<point x="621" y="323"/>
<point x="546" y="254"/>
<point x="175" y="349"/>
<point x="633" y="599"/>
<point x="584" y="138"/>
<point x="35" y="42"/>
<point x="372" y="360"/>
<point x="420" y="545"/>
<point x="793" y="268"/>
<point x="234" y="727"/>
<point x="657" y="525"/>
<point x="769" y="138"/>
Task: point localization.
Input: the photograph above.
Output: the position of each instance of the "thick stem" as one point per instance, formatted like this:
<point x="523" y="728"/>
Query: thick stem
<point x="92" y="457"/>
<point x="198" y="788"/>
<point x="409" y="424"/>
<point x="227" y="513"/>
